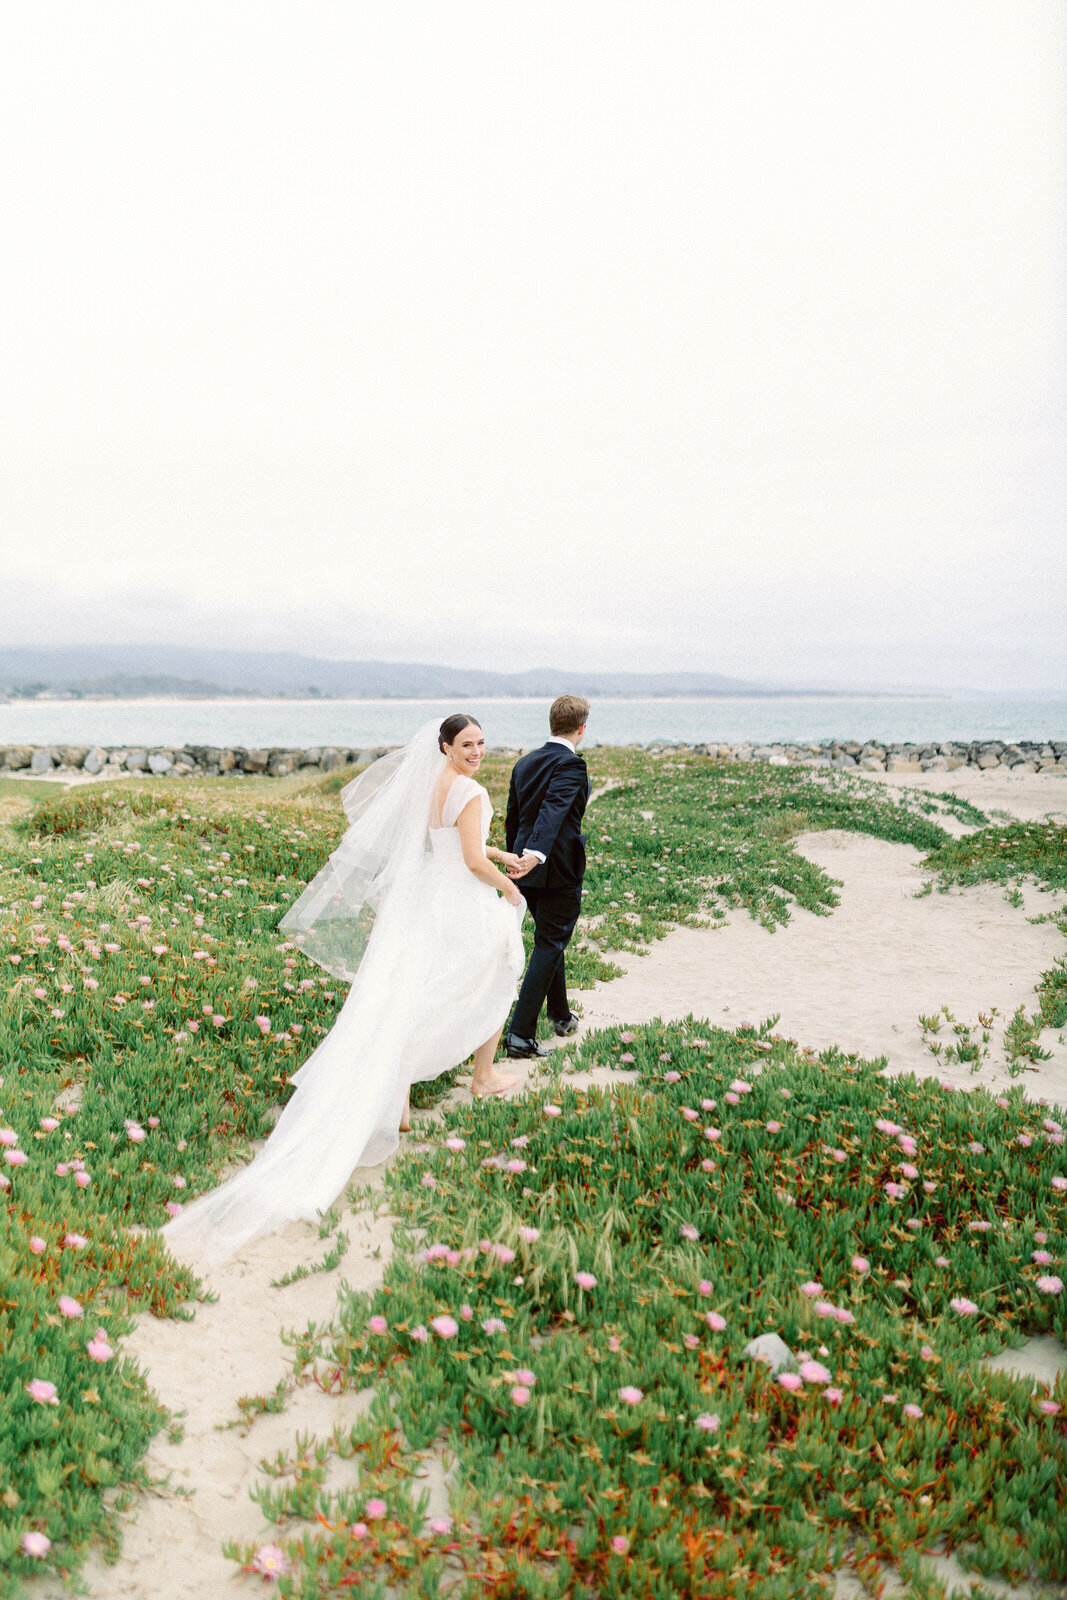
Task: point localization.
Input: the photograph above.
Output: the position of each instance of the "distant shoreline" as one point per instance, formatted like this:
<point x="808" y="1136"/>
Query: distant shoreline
<point x="432" y="699"/>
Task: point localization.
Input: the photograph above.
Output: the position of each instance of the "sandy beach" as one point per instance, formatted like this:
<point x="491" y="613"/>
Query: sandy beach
<point x="859" y="978"/>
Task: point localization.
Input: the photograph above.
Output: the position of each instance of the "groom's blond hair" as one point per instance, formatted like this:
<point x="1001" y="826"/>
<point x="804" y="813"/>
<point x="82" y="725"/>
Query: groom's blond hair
<point x="567" y="714"/>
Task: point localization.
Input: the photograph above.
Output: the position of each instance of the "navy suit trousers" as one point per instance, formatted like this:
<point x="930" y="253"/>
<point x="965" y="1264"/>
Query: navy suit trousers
<point x="554" y="913"/>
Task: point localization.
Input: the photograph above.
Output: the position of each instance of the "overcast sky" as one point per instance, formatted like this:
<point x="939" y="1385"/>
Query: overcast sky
<point x="724" y="336"/>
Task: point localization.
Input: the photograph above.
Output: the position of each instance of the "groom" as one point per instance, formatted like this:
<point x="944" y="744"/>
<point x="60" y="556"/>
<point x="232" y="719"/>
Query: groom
<point x="546" y="801"/>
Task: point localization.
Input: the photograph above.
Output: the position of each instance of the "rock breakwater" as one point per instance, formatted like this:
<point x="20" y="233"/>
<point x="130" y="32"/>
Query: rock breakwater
<point x="112" y="761"/>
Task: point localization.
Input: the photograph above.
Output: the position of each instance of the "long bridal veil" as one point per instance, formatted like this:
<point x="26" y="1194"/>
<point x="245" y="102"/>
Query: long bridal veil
<point x="351" y="1090"/>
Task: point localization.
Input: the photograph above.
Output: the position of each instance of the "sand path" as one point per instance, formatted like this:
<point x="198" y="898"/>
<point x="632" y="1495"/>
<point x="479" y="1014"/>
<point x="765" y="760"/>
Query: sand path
<point x="858" y="978"/>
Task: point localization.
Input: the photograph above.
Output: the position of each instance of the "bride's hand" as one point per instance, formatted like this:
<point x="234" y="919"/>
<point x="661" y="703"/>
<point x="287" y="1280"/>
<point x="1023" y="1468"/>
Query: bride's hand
<point x="507" y="858"/>
<point x="512" y="895"/>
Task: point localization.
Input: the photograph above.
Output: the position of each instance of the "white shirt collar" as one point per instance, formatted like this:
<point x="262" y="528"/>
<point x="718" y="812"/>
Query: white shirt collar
<point x="557" y="738"/>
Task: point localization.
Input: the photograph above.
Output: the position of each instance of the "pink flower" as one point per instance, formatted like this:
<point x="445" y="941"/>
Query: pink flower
<point x="791" y="1381"/>
<point x="731" y="1098"/>
<point x="494" y="1325"/>
<point x="811" y="1289"/>
<point x="49" y="1124"/>
<point x="632" y="1396"/>
<point x="620" y="1544"/>
<point x="446" y="1326"/>
<point x="504" y="1253"/>
<point x="1025" y="1140"/>
<point x="860" y="1264"/>
<point x="927" y="1353"/>
<point x="520" y="1394"/>
<point x="173" y="1208"/>
<point x="71" y="1307"/>
<point x="37" y="1244"/>
<point x="98" y="1347"/>
<point x="689" y="1114"/>
<point x="17" y="1158"/>
<point x="529" y="1235"/>
<point x="814" y="1372"/>
<point x="374" y="1509"/>
<point x="270" y="1561"/>
<point x="627" y="1056"/>
<point x="887" y="1127"/>
<point x="466" y="1312"/>
<point x="843" y="1315"/>
<point x="1040" y="1258"/>
<point x="707" y="1165"/>
<point x="704" y="1287"/>
<point x="774" y="1127"/>
<point x="516" y="1164"/>
<point x="82" y="1179"/>
<point x="1059" y="1184"/>
<point x="713" y="1134"/>
<point x="895" y="1191"/>
<point x="1050" y="1285"/>
<point x="1048" y="1408"/>
<point x="43" y="1392"/>
<point x="585" y="1280"/>
<point x="614" y="1343"/>
<point x="36" y="1544"/>
<point x="8" y="1136"/>
<point x="671" y="1077"/>
<point x="981" y="1226"/>
<point x="524" y="1375"/>
<point x="359" y="1530"/>
<point x="907" y="1143"/>
<point x="690" y="1341"/>
<point x="963" y="1306"/>
<point x="627" y="1037"/>
<point x="441" y="1525"/>
<point x="552" y="1111"/>
<point x="715" y="1321"/>
<point x="913" y="1411"/>
<point x="455" y="1143"/>
<point x="688" y="1231"/>
<point x="908" y="1170"/>
<point x="135" y="1132"/>
<point x="834" y="1396"/>
<point x="942" y="1261"/>
<point x="76" y="1241"/>
<point x="707" y="1422"/>
<point x="377" y="1324"/>
<point x="419" y="1334"/>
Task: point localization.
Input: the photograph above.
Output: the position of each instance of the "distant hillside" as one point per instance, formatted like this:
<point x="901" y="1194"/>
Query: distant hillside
<point x="129" y="671"/>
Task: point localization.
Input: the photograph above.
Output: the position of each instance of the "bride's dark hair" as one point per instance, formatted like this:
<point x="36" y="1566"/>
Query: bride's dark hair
<point x="454" y="725"/>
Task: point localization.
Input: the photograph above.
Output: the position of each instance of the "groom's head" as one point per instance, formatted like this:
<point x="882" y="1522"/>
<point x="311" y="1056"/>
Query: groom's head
<point x="567" y="717"/>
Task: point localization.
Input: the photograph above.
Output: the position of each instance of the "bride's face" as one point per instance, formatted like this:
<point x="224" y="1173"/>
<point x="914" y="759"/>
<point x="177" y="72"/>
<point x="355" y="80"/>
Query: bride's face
<point x="468" y="749"/>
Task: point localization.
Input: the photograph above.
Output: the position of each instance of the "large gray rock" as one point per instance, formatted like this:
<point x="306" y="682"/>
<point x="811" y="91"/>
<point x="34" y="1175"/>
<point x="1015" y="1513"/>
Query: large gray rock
<point x="73" y="755"/>
<point x="772" y="1351"/>
<point x="935" y="764"/>
<point x="160" y="761"/>
<point x="333" y="760"/>
<point x="902" y="764"/>
<point x="844" y="760"/>
<point x="42" y="760"/>
<point x="136" y="760"/>
<point x="255" y="761"/>
<point x="18" y="756"/>
<point x="227" y="761"/>
<point x="872" y="763"/>
<point x="95" y="761"/>
<point x="281" y="764"/>
<point x="987" y="760"/>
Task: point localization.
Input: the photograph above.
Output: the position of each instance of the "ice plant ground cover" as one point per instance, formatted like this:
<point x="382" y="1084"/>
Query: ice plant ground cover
<point x="578" y="1275"/>
<point x="153" y="1015"/>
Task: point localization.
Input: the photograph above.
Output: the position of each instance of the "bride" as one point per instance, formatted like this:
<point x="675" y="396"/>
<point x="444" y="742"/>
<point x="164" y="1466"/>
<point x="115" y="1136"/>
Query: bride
<point x="406" y="909"/>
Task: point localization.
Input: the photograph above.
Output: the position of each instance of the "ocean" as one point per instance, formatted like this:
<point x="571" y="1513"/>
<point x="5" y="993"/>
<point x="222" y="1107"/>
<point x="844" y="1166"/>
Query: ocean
<point x="259" y="724"/>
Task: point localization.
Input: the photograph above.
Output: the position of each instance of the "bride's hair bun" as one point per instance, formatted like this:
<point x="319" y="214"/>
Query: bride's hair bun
<point x="454" y="725"/>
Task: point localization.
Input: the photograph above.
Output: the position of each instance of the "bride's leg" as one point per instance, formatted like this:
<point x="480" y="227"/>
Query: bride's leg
<point x="485" y="1080"/>
<point x="405" y="1117"/>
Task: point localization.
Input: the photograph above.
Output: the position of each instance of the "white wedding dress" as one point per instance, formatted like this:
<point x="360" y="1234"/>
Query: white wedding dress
<point x="438" y="977"/>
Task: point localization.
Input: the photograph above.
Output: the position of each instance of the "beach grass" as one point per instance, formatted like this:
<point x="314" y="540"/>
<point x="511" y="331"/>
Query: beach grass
<point x="566" y="1319"/>
<point x="153" y="1016"/>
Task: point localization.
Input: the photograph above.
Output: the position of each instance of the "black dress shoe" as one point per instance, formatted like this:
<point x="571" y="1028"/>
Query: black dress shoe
<point x="564" y="1028"/>
<point x="522" y="1049"/>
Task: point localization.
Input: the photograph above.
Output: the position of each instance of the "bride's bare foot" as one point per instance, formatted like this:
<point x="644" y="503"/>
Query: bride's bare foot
<point x="492" y="1083"/>
<point x="405" y="1118"/>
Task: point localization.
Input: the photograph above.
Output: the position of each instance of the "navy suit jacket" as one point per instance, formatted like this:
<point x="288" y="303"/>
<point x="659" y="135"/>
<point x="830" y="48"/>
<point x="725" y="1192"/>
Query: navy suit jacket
<point x="547" y="797"/>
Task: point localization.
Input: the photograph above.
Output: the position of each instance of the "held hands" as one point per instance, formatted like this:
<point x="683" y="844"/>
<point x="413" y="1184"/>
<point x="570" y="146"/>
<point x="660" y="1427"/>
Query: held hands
<point x="522" y="865"/>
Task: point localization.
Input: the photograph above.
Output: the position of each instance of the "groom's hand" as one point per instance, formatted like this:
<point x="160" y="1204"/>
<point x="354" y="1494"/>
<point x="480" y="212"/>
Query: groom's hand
<point x="526" y="863"/>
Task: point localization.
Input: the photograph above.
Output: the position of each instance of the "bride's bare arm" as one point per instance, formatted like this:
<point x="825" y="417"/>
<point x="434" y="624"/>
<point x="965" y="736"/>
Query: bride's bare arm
<point x="469" y="826"/>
